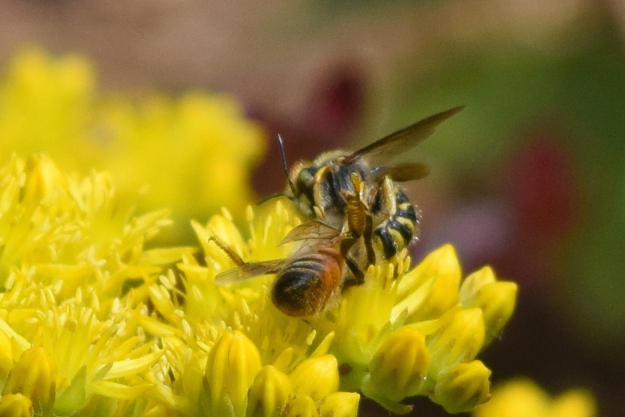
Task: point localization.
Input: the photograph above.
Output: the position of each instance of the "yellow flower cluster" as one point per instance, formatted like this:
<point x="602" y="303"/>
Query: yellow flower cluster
<point x="403" y="333"/>
<point x="74" y="315"/>
<point x="523" y="398"/>
<point x="175" y="146"/>
<point x="92" y="323"/>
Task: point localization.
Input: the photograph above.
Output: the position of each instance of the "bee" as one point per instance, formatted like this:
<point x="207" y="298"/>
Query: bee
<point x="318" y="188"/>
<point x="312" y="278"/>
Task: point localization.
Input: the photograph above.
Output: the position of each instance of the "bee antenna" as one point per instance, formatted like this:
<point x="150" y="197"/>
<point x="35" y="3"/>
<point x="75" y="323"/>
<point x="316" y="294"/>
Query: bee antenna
<point x="285" y="166"/>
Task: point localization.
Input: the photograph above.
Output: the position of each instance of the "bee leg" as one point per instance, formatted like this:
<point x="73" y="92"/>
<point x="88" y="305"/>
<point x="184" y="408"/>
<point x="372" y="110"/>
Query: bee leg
<point x="368" y="239"/>
<point x="358" y="276"/>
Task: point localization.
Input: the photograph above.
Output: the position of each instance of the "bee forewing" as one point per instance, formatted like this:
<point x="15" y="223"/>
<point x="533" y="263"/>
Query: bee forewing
<point x="249" y="271"/>
<point x="380" y="152"/>
<point x="312" y="229"/>
<point x="408" y="171"/>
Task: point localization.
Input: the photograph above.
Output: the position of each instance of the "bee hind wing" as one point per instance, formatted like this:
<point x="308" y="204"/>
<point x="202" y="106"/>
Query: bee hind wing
<point x="249" y="271"/>
<point x="409" y="171"/>
<point x="311" y="230"/>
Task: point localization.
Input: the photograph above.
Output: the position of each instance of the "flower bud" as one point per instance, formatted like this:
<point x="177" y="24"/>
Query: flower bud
<point x="16" y="405"/>
<point x="301" y="406"/>
<point x="231" y="366"/>
<point x="400" y="365"/>
<point x="317" y="377"/>
<point x="472" y="284"/>
<point x="458" y="339"/>
<point x="340" y="404"/>
<point x="462" y="387"/>
<point x="431" y="288"/>
<point x="441" y="261"/>
<point x="33" y="376"/>
<point x="269" y="393"/>
<point x="497" y="301"/>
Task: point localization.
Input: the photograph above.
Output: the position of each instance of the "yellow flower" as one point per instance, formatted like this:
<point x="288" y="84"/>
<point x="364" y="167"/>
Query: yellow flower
<point x="173" y="148"/>
<point x="92" y="321"/>
<point x="523" y="398"/>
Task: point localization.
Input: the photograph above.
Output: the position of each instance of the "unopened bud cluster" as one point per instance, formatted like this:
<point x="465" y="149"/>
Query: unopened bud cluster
<point x="437" y="326"/>
<point x="237" y="384"/>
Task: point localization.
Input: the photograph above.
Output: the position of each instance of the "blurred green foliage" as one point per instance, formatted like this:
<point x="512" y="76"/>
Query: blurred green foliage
<point x="576" y="94"/>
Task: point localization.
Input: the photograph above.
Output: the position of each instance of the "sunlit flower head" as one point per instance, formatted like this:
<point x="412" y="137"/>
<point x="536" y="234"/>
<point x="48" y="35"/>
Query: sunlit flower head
<point x="75" y="319"/>
<point x="174" y="147"/>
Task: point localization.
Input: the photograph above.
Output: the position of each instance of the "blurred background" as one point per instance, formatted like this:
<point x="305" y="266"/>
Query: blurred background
<point x="529" y="177"/>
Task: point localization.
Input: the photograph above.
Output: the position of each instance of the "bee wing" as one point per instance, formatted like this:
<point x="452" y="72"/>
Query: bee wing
<point x="311" y="230"/>
<point x="408" y="171"/>
<point x="382" y="151"/>
<point x="249" y="271"/>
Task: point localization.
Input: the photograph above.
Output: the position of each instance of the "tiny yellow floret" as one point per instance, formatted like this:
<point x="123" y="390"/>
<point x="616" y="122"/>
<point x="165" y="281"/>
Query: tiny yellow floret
<point x="316" y="377"/>
<point x="458" y="339"/>
<point x="16" y="405"/>
<point x="340" y="404"/>
<point x="269" y="393"/>
<point x="462" y="387"/>
<point x="34" y="376"/>
<point x="399" y="367"/>
<point x="231" y="367"/>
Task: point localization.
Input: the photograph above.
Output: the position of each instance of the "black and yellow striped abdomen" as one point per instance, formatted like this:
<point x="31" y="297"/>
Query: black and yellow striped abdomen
<point x="397" y="231"/>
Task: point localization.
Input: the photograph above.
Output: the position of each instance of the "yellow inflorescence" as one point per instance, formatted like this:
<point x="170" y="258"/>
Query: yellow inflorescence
<point x="174" y="146"/>
<point x="401" y="334"/>
<point x="93" y="323"/>
<point x="523" y="398"/>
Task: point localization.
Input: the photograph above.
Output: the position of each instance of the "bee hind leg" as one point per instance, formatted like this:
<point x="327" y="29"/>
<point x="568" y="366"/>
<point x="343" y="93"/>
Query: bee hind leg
<point x="358" y="276"/>
<point x="368" y="239"/>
